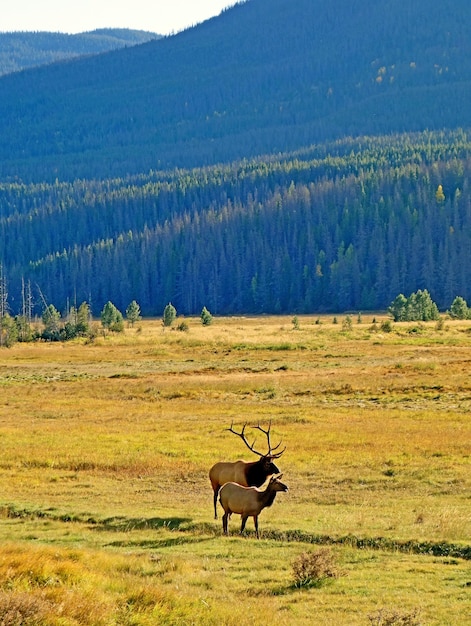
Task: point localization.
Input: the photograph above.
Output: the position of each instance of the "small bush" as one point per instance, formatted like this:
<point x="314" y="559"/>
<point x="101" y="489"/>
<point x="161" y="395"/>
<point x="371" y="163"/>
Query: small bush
<point x="21" y="609"/>
<point x="347" y="323"/>
<point x="415" y="330"/>
<point x="386" y="617"/>
<point x="386" y="326"/>
<point x="312" y="569"/>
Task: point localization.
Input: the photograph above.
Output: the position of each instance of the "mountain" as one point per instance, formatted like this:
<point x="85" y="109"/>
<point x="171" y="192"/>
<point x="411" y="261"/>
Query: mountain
<point x="265" y="76"/>
<point x="286" y="156"/>
<point x="21" y="50"/>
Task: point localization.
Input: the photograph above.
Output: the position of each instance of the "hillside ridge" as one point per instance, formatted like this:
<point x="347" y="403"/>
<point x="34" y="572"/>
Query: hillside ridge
<point x="265" y="76"/>
<point x="21" y="49"/>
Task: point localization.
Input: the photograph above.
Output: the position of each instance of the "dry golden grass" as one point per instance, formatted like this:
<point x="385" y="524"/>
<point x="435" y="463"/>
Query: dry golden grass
<point x="106" y="449"/>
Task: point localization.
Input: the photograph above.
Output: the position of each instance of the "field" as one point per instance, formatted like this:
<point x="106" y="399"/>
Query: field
<point x="106" y="508"/>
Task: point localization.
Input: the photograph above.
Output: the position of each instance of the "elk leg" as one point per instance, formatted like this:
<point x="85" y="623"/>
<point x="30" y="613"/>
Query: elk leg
<point x="225" y="517"/>
<point x="244" y="520"/>
<point x="255" y="521"/>
<point x="216" y="491"/>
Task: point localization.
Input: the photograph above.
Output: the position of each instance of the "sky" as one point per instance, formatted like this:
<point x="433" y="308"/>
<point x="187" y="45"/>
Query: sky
<point x="76" y="16"/>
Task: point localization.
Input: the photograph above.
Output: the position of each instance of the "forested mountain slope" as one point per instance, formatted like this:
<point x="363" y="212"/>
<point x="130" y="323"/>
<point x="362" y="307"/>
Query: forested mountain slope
<point x="342" y="226"/>
<point x="21" y="50"/>
<point x="286" y="156"/>
<point x="266" y="76"/>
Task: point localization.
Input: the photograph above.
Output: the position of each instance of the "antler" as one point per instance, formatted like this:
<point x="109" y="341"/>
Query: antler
<point x="251" y="447"/>
<point x="242" y="436"/>
<point x="270" y="449"/>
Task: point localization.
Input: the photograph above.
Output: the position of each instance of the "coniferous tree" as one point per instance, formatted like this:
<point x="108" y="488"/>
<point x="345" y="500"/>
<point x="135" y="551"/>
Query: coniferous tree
<point x="24" y="329"/>
<point x="397" y="308"/>
<point x="427" y="310"/>
<point x="8" y="331"/>
<point x="206" y="317"/>
<point x="133" y="313"/>
<point x="459" y="309"/>
<point x="169" y="315"/>
<point x="112" y="318"/>
<point x="439" y="195"/>
<point x="51" y="320"/>
<point x="118" y="324"/>
<point x="83" y="319"/>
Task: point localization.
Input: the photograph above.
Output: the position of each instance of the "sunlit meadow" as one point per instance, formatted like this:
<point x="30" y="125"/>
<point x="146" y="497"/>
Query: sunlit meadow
<point x="106" y="508"/>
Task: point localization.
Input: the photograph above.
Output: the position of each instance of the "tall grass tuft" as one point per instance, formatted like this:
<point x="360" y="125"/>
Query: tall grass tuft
<point x="22" y="609"/>
<point x="313" y="569"/>
<point x="395" y="617"/>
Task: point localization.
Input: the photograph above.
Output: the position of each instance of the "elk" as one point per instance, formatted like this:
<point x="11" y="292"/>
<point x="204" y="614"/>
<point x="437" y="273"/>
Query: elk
<point x="245" y="473"/>
<point x="248" y="501"/>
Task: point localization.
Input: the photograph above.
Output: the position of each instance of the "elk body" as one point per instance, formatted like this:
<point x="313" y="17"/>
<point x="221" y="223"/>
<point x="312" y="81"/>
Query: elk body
<point x="248" y="501"/>
<point x="245" y="473"/>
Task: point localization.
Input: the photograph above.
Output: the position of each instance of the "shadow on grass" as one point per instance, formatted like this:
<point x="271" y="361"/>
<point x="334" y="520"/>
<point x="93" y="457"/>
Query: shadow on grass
<point x="154" y="544"/>
<point x="181" y="525"/>
<point x="126" y="524"/>
<point x="430" y="548"/>
<point x="292" y="588"/>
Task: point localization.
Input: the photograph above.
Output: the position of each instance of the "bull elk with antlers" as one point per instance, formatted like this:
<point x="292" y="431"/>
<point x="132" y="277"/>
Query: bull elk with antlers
<point x="245" y="473"/>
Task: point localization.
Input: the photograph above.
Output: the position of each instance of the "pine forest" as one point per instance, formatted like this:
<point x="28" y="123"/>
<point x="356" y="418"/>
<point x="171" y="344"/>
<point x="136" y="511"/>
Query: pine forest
<point x="342" y="227"/>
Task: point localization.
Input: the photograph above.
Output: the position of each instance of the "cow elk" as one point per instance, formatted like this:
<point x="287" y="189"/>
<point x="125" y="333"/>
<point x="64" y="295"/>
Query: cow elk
<point x="248" y="501"/>
<point x="245" y="473"/>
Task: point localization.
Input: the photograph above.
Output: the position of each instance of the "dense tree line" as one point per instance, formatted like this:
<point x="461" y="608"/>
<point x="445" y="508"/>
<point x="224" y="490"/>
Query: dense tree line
<point x="347" y="226"/>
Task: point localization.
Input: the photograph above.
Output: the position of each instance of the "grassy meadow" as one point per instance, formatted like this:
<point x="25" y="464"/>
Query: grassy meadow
<point x="106" y="514"/>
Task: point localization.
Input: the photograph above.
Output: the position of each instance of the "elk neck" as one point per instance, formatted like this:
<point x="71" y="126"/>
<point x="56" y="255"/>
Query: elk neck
<point x="256" y="472"/>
